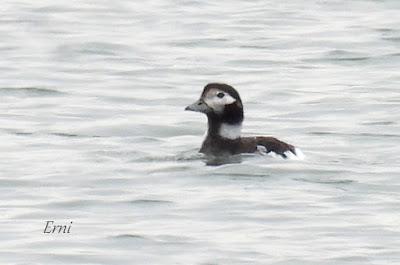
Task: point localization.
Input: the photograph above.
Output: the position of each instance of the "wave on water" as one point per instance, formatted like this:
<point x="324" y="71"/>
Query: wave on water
<point x="30" y="91"/>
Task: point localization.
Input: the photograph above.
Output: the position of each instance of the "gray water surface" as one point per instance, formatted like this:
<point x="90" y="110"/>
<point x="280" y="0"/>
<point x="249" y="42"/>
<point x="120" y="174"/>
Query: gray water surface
<point x="92" y="130"/>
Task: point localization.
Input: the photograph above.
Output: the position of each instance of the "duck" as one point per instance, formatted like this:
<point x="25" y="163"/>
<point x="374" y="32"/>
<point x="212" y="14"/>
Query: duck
<point x="222" y="105"/>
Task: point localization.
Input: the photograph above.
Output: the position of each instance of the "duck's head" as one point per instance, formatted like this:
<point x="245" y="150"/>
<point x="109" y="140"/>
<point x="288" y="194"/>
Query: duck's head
<point x="224" y="109"/>
<point x="220" y="101"/>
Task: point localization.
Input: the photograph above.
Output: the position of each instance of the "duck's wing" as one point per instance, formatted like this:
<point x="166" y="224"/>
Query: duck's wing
<point x="271" y="144"/>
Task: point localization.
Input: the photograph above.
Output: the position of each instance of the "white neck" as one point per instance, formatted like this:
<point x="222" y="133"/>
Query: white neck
<point x="230" y="131"/>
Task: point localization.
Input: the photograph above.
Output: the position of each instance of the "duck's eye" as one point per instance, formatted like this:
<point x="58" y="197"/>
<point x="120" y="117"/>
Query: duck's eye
<point x="220" y="95"/>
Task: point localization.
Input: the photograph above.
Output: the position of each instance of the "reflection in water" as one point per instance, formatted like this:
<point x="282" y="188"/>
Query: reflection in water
<point x="222" y="160"/>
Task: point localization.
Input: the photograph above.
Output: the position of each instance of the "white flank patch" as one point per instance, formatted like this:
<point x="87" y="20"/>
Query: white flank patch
<point x="299" y="154"/>
<point x="289" y="155"/>
<point x="230" y="131"/>
<point x="262" y="150"/>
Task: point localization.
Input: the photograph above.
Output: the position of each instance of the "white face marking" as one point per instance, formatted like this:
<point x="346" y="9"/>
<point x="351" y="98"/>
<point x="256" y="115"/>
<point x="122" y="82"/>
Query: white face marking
<point x="230" y="131"/>
<point x="217" y="99"/>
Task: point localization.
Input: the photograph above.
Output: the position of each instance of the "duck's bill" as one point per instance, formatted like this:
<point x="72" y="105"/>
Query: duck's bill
<point x="198" y="106"/>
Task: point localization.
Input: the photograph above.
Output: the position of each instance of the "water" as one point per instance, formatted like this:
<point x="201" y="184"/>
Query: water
<point x="92" y="130"/>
